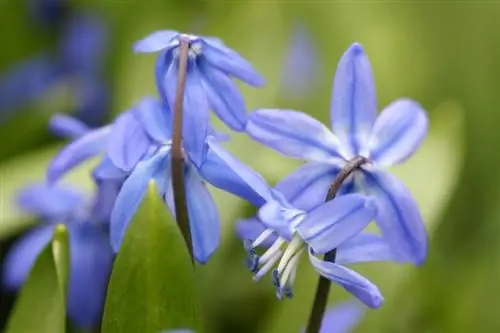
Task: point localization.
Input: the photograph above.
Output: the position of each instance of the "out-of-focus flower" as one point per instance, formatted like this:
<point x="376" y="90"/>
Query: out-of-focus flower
<point x="139" y="145"/>
<point x="48" y="13"/>
<point x="342" y="318"/>
<point x="211" y="65"/>
<point x="301" y="65"/>
<point x="78" y="62"/>
<point x="91" y="255"/>
<point x="385" y="140"/>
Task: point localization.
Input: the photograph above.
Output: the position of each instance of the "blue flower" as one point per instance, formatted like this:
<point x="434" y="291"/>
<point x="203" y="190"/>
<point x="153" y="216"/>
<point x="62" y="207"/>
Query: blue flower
<point x="342" y="318"/>
<point x="137" y="147"/>
<point x="386" y="140"/>
<point x="288" y="232"/>
<point x="211" y="65"/>
<point x="91" y="255"/>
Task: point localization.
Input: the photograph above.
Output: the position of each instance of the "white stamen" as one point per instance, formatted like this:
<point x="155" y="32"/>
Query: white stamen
<point x="294" y="245"/>
<point x="272" y="250"/>
<point x="291" y="270"/>
<point x="264" y="269"/>
<point x="263" y="236"/>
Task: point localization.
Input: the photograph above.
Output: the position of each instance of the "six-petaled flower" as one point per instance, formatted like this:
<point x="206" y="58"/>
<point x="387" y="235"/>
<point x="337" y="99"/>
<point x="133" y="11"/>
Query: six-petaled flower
<point x="386" y="140"/>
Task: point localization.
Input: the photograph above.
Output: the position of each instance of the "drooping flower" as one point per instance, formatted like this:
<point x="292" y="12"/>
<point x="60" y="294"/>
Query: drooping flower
<point x="211" y="66"/>
<point x="386" y="140"/>
<point x="91" y="255"/>
<point x="288" y="232"/>
<point x="139" y="145"/>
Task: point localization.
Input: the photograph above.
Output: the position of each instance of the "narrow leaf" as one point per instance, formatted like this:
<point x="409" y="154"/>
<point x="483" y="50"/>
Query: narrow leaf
<point x="152" y="286"/>
<point x="42" y="300"/>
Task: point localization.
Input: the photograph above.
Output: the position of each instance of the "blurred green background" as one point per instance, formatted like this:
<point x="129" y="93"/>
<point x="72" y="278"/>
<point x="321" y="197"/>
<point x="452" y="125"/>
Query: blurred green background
<point x="446" y="55"/>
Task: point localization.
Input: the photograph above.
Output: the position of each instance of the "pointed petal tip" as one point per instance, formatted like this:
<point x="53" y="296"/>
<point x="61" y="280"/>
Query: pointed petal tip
<point x="356" y="48"/>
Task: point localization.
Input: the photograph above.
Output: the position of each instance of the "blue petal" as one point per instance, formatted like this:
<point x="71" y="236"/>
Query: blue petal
<point x="356" y="284"/>
<point x="155" y="42"/>
<point x="300" y="65"/>
<point x="307" y="187"/>
<point x="128" y="142"/>
<point x="83" y="44"/>
<point x="398" y="132"/>
<point x="230" y="62"/>
<point x="224" y="171"/>
<point x="26" y="82"/>
<point x="279" y="218"/>
<point x="91" y="260"/>
<point x="84" y="148"/>
<point x="21" y="257"/>
<point x="203" y="217"/>
<point x="67" y="126"/>
<point x="251" y="229"/>
<point x="342" y="318"/>
<point x="155" y="118"/>
<point x="224" y="96"/>
<point x="354" y="102"/>
<point x="104" y="201"/>
<point x="49" y="201"/>
<point x="334" y="222"/>
<point x="219" y="136"/>
<point x="131" y="195"/>
<point x="398" y="218"/>
<point x="163" y="63"/>
<point x="106" y="170"/>
<point x="364" y="247"/>
<point x="294" y="134"/>
<point x="196" y="116"/>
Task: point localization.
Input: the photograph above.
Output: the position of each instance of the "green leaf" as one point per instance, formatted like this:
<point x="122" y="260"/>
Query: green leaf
<point x="152" y="286"/>
<point x="41" y="303"/>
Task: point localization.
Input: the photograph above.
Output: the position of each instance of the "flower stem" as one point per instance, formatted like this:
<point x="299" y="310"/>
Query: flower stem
<point x="181" y="211"/>
<point x="323" y="288"/>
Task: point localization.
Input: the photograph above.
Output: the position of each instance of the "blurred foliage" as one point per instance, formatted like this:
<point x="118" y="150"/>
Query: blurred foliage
<point x="443" y="54"/>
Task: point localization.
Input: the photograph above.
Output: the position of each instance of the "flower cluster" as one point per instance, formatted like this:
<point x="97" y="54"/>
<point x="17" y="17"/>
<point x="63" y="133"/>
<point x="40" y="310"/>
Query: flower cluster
<point x="321" y="209"/>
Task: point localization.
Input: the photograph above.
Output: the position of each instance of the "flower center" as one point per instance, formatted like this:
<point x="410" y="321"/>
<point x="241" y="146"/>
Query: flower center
<point x="284" y="256"/>
<point x="194" y="42"/>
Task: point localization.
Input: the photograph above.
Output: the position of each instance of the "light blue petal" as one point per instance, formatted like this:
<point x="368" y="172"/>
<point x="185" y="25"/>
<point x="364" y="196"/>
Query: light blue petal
<point x="91" y="261"/>
<point x="240" y="179"/>
<point x="21" y="257"/>
<point x="67" y="126"/>
<point x="155" y="42"/>
<point x="398" y="132"/>
<point x="364" y="247"/>
<point x="224" y="171"/>
<point x="203" y="217"/>
<point x="26" y="82"/>
<point x="398" y="218"/>
<point x="78" y="151"/>
<point x="131" y="195"/>
<point x="251" y="229"/>
<point x="224" y="96"/>
<point x="356" y="284"/>
<point x="83" y="44"/>
<point x="279" y="218"/>
<point x="334" y="222"/>
<point x="49" y="201"/>
<point x="128" y="142"/>
<point x="163" y="63"/>
<point x="354" y="102"/>
<point x="230" y="62"/>
<point x="106" y="170"/>
<point x="104" y="201"/>
<point x="342" y="318"/>
<point x="155" y="118"/>
<point x="294" y="134"/>
<point x="219" y="136"/>
<point x="196" y="116"/>
<point x="307" y="187"/>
